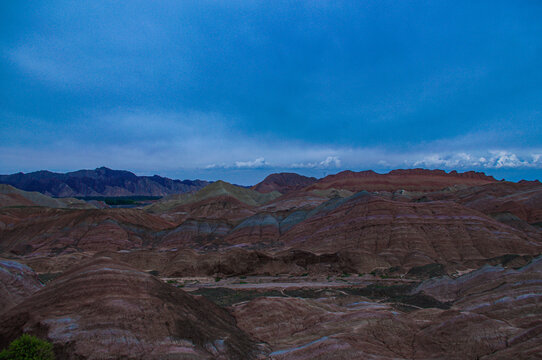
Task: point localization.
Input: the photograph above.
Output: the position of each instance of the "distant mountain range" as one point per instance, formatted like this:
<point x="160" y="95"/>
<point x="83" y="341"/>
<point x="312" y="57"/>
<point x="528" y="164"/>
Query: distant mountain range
<point x="99" y="182"/>
<point x="106" y="182"/>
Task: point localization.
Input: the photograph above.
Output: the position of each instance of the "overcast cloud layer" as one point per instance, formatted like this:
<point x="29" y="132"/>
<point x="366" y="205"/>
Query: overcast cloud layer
<point x="236" y="90"/>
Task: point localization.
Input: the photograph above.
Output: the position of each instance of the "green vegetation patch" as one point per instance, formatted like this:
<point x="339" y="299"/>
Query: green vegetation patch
<point x="227" y="297"/>
<point x="427" y="271"/>
<point x="28" y="347"/>
<point x="48" y="277"/>
<point x="122" y="200"/>
<point x="400" y="295"/>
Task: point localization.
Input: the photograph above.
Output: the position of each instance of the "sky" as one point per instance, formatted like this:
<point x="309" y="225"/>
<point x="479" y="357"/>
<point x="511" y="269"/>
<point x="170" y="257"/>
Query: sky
<point x="236" y="90"/>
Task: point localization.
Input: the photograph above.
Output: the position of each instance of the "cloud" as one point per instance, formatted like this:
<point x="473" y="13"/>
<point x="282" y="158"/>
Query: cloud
<point x="448" y="160"/>
<point x="212" y="145"/>
<point x="490" y="160"/>
<point x="504" y="159"/>
<point x="329" y="162"/>
<point x="257" y="163"/>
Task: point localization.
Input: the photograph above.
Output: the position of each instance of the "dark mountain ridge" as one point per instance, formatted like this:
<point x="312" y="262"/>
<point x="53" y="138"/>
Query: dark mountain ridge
<point x="99" y="182"/>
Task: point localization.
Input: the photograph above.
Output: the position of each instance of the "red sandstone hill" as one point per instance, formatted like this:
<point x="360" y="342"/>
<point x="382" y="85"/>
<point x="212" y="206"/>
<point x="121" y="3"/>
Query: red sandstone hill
<point x="410" y="180"/>
<point x="359" y="233"/>
<point x="417" y="229"/>
<point x="523" y="199"/>
<point x="283" y="183"/>
<point x="108" y="310"/>
<point x="45" y="231"/>
<point x="378" y="232"/>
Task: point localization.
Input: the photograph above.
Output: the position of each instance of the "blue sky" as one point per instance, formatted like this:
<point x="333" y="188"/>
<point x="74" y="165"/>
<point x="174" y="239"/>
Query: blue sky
<point x="239" y="89"/>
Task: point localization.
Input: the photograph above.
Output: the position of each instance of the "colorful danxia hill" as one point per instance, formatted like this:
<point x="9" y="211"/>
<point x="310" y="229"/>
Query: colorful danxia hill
<point x="412" y="264"/>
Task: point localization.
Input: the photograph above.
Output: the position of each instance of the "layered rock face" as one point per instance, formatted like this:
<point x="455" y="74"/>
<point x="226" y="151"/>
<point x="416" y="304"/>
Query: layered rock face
<point x="50" y="231"/>
<point x="105" y="310"/>
<point x="357" y="233"/>
<point x="17" y="281"/>
<point x="523" y="200"/>
<point x="408" y="234"/>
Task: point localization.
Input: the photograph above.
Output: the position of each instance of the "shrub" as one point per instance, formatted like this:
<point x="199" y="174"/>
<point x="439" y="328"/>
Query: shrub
<point x="28" y="347"/>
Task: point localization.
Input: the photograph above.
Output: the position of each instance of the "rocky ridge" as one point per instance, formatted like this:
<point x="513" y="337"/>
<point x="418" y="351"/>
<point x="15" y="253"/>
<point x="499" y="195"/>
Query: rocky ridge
<point x="99" y="182"/>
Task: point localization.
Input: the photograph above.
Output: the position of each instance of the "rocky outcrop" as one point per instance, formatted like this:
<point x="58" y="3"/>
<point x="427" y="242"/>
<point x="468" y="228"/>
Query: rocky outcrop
<point x="99" y="182"/>
<point x="104" y="309"/>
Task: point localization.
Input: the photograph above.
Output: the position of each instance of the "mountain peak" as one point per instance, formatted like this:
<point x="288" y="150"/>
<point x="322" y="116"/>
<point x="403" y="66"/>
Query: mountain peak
<point x="283" y="182"/>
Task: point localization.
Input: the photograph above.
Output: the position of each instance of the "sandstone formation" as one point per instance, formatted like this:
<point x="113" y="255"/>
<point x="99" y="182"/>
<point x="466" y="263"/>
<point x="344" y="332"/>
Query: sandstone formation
<point x="104" y="310"/>
<point x="356" y="233"/>
<point x="53" y="231"/>
<point x="523" y="199"/>
<point x="408" y="234"/>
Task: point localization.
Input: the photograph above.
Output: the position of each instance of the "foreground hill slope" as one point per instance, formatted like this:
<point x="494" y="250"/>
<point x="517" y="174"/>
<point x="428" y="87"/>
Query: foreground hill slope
<point x="104" y="309"/>
<point x="491" y="313"/>
<point x="99" y="182"/>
